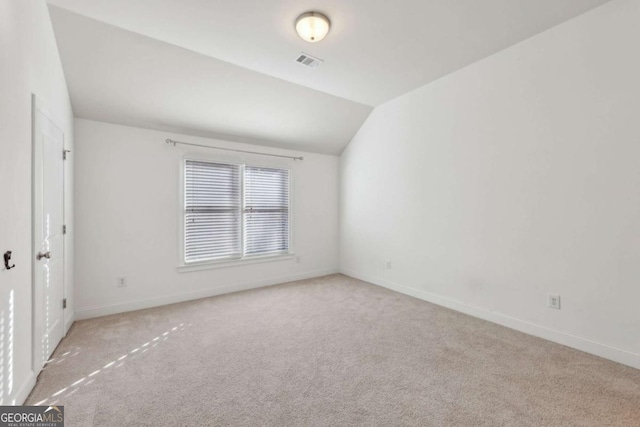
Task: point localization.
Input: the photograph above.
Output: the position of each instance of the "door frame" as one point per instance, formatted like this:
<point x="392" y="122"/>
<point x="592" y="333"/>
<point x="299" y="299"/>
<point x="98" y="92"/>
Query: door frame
<point x="38" y="105"/>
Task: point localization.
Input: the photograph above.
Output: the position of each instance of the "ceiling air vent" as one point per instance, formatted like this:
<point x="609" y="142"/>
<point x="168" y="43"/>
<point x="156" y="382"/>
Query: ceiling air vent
<point x="308" y="60"/>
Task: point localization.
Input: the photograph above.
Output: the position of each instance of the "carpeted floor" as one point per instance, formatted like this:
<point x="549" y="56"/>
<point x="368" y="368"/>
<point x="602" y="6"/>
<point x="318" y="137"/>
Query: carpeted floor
<point x="332" y="351"/>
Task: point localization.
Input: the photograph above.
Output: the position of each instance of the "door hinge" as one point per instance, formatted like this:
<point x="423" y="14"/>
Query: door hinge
<point x="64" y="154"/>
<point x="64" y="229"/>
<point x="64" y="303"/>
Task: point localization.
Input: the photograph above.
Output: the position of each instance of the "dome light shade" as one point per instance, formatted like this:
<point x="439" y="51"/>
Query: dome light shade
<point x="312" y="26"/>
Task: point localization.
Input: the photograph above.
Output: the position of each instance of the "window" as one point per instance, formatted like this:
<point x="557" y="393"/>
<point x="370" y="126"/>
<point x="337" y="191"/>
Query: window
<point x="234" y="211"/>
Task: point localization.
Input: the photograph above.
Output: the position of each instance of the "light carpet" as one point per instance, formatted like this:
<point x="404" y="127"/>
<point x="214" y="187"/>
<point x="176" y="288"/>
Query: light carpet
<point x="331" y="351"/>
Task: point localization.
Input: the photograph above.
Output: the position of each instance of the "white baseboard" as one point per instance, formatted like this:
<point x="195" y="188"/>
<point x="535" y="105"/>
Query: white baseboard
<point x="23" y="392"/>
<point x="105" y="310"/>
<point x="583" y="344"/>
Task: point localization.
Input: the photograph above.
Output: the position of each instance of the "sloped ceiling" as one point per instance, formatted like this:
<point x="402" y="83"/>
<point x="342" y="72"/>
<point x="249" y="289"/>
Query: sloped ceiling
<point x="117" y="76"/>
<point x="222" y="67"/>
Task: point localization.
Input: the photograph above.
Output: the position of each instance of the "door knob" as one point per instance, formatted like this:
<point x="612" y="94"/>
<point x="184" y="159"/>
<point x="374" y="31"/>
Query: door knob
<point x="41" y="255"/>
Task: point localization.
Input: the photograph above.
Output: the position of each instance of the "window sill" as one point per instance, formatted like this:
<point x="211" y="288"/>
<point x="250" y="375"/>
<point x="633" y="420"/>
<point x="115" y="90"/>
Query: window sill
<point x="208" y="265"/>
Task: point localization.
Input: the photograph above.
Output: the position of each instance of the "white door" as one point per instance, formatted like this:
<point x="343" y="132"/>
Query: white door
<point x="48" y="244"/>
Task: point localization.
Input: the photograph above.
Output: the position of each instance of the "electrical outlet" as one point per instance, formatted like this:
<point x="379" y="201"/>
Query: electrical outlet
<point x="121" y="282"/>
<point x="388" y="264"/>
<point x="297" y="260"/>
<point x="553" y="301"/>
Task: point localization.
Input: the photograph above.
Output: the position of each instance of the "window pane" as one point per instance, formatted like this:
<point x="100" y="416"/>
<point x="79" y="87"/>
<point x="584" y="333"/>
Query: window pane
<point x="212" y="211"/>
<point x="266" y="213"/>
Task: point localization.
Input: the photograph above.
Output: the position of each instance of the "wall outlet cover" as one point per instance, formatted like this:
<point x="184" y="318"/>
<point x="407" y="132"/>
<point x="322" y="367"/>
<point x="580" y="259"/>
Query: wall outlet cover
<point x="553" y="301"/>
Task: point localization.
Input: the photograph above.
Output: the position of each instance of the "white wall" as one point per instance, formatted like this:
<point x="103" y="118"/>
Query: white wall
<point x="128" y="204"/>
<point x="29" y="63"/>
<point x="512" y="178"/>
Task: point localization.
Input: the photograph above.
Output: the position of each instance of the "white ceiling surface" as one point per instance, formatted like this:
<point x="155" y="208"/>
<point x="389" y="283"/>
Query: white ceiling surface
<point x="122" y="77"/>
<point x="226" y="68"/>
<point x="376" y="50"/>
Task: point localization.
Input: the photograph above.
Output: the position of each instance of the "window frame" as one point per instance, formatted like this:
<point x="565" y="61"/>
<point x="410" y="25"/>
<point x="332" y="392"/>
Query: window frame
<point x="240" y="161"/>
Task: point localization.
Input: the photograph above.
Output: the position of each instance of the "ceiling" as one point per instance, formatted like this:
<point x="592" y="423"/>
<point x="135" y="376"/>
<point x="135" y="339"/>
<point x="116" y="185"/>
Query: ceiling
<point x="376" y="51"/>
<point x="121" y="77"/>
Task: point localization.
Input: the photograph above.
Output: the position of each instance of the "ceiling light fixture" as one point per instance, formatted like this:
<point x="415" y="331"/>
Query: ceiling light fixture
<point x="312" y="26"/>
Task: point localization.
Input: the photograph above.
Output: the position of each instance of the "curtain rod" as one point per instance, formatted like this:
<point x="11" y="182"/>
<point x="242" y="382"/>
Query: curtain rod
<point x="171" y="141"/>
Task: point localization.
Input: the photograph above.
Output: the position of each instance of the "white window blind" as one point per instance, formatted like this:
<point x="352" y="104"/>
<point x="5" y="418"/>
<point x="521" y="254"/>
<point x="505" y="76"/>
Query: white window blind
<point x="213" y="209"/>
<point x="234" y="211"/>
<point x="266" y="210"/>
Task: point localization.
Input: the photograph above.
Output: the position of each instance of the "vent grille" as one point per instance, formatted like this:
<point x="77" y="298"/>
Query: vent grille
<point x="308" y="60"/>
